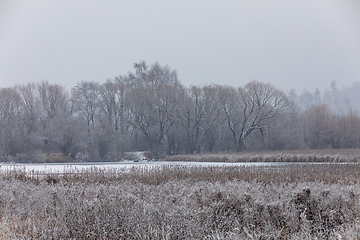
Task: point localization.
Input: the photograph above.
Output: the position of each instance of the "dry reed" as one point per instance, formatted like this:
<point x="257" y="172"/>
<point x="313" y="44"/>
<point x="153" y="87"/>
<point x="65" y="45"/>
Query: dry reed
<point x="286" y="201"/>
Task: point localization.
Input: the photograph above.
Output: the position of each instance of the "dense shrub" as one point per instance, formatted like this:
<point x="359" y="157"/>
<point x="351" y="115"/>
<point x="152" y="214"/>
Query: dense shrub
<point x="182" y="203"/>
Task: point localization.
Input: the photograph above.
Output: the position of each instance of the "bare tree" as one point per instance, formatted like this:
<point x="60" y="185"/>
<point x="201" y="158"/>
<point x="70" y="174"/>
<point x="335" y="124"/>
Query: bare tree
<point x="252" y="108"/>
<point x="199" y="114"/>
<point x="318" y="126"/>
<point x="153" y="103"/>
<point x="347" y="131"/>
<point x="115" y="114"/>
<point x="85" y="98"/>
<point x="113" y="103"/>
<point x="54" y="101"/>
<point x="29" y="96"/>
<point x="286" y="133"/>
<point x="11" y="131"/>
<point x="58" y="124"/>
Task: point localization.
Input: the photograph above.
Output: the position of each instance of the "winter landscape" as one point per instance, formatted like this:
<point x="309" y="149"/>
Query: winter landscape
<point x="242" y="123"/>
<point x="143" y="157"/>
<point x="149" y="110"/>
<point x="283" y="201"/>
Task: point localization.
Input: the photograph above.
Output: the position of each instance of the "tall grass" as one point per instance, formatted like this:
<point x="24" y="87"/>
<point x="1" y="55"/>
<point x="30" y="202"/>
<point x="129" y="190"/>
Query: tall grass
<point x="322" y="155"/>
<point x="295" y="201"/>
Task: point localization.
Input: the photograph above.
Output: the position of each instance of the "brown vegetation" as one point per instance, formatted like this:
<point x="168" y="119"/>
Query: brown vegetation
<point x="323" y="155"/>
<point x="292" y="201"/>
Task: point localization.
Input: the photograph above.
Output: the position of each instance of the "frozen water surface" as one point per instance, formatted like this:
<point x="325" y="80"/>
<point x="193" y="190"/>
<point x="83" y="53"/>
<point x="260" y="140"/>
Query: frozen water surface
<point x="60" y="167"/>
<point x="63" y="167"/>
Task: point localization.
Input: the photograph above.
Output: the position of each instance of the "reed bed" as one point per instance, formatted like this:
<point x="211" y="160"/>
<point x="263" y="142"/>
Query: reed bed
<point x="308" y="156"/>
<point x="285" y="201"/>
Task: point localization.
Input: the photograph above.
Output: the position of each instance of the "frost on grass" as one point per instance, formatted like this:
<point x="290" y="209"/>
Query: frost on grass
<point x="183" y="203"/>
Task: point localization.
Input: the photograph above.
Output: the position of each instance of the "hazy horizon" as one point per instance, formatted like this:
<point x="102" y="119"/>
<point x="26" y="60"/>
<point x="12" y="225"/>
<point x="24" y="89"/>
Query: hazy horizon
<point x="292" y="45"/>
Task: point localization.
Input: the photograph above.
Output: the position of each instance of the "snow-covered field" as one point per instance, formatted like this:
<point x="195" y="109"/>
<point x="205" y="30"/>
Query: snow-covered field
<point x="169" y="200"/>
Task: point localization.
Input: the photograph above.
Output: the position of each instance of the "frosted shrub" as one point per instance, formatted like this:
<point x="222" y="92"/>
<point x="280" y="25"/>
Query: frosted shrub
<point x="182" y="203"/>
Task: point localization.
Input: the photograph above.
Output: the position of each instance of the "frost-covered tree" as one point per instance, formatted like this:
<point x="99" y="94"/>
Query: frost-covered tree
<point x="347" y="131"/>
<point x="252" y="108"/>
<point x="11" y="115"/>
<point x="85" y="100"/>
<point x="153" y="102"/>
<point x="58" y="126"/>
<point x="199" y="114"/>
<point x="318" y="126"/>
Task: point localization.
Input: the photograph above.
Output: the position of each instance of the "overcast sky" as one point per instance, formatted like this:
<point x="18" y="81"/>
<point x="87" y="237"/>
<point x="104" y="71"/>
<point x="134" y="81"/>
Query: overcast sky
<point x="300" y="44"/>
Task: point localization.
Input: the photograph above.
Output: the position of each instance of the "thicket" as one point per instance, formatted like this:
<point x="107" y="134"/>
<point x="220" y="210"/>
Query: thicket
<point x="295" y="201"/>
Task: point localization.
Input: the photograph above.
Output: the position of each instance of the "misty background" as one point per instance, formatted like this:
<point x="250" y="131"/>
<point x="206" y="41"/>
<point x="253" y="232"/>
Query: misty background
<point x="290" y="44"/>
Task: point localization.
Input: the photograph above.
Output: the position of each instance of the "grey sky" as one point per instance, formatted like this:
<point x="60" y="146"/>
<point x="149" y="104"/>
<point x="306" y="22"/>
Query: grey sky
<point x="291" y="44"/>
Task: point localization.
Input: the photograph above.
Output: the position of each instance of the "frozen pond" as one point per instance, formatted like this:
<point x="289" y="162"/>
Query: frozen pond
<point x="57" y="167"/>
<point x="65" y="167"/>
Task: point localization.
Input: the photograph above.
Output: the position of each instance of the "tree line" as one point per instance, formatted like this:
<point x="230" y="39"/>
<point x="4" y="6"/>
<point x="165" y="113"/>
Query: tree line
<point x="150" y="110"/>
